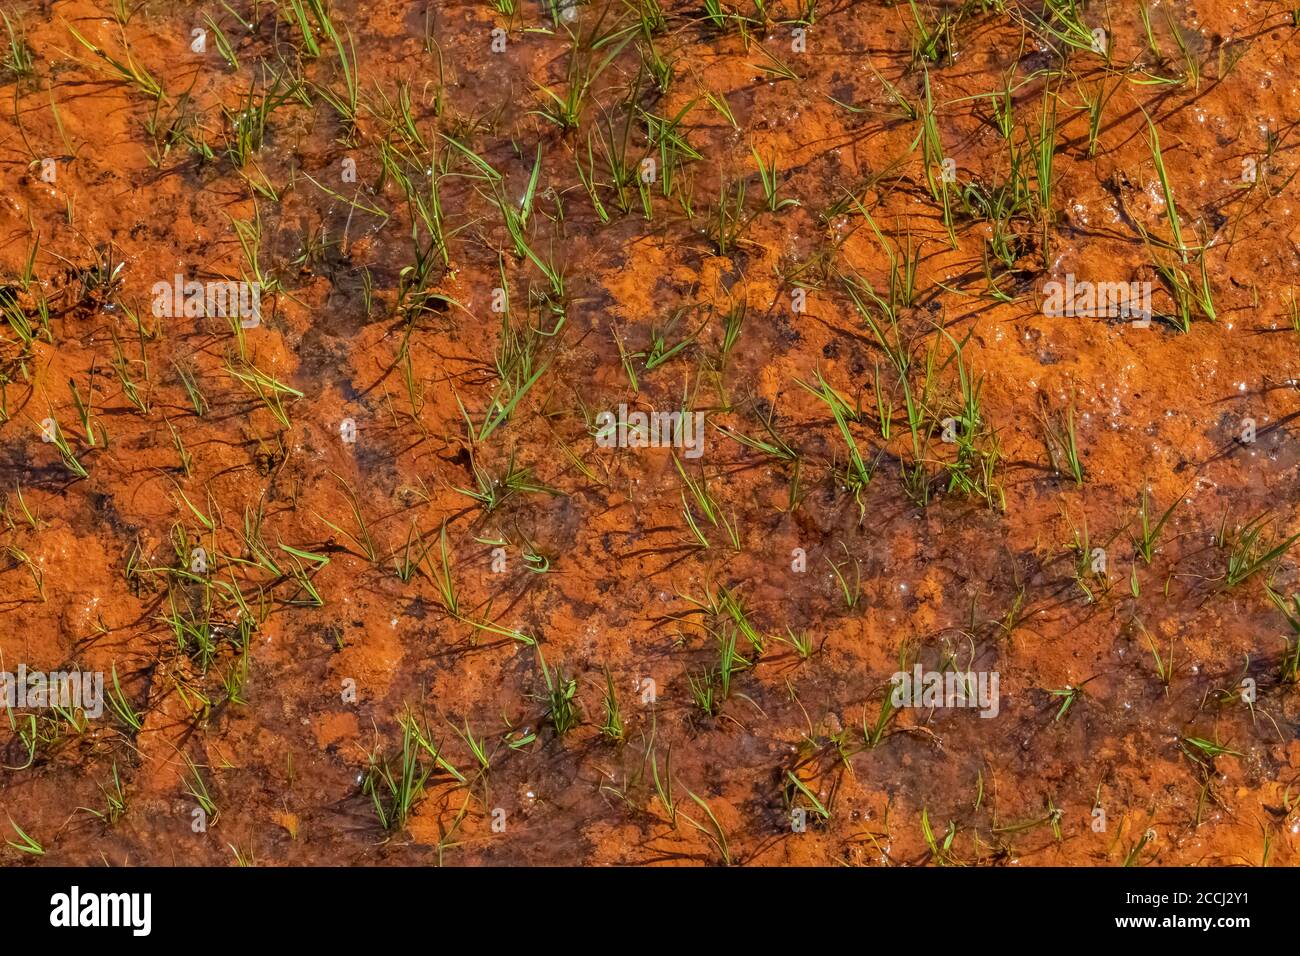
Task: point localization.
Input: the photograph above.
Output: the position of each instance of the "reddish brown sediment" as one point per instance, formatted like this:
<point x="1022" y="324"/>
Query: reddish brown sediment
<point x="1156" y="409"/>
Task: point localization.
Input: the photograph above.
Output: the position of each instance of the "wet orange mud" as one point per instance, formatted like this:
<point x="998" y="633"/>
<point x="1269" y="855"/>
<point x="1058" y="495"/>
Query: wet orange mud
<point x="1147" y="710"/>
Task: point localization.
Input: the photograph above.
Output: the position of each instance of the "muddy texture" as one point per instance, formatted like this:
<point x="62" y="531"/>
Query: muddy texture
<point x="315" y="692"/>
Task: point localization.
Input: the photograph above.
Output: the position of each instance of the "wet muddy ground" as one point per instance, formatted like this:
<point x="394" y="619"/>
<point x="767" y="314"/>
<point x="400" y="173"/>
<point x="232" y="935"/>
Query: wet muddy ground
<point x="370" y="579"/>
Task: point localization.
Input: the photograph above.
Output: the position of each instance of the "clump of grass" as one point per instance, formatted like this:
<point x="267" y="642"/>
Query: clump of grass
<point x="852" y="593"/>
<point x="714" y="831"/>
<point x="801" y="643"/>
<point x="932" y="157"/>
<point x="873" y="734"/>
<point x="272" y="392"/>
<point x="612" y="726"/>
<point x="728" y="220"/>
<point x="450" y="596"/>
<point x="1063" y="444"/>
<point x="25" y="842"/>
<point x="565" y="109"/>
<point x="122" y="707"/>
<point x="1149" y="534"/>
<point x="770" y="177"/>
<point x="18" y="60"/>
<point x="973" y="471"/>
<point x="114" y="798"/>
<point x="66" y="454"/>
<point x="934" y="36"/>
<point x="22" y="558"/>
<point x="704" y="695"/>
<point x="1133" y="857"/>
<point x="940" y="852"/>
<point x="412" y="554"/>
<point x="1248" y="556"/>
<point x="396" y="785"/>
<point x="857" y="475"/>
<point x="361" y="537"/>
<point x="124" y="67"/>
<point x="197" y="788"/>
<point x="1044" y="151"/>
<point x="1203" y="751"/>
<point x="663" y="783"/>
<point x="1290" y="663"/>
<point x="492" y="491"/>
<point x="1164" y="665"/>
<point x="561" y="707"/>
<point x="795" y="785"/>
<point x="1069" y="695"/>
<point x="708" y="506"/>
